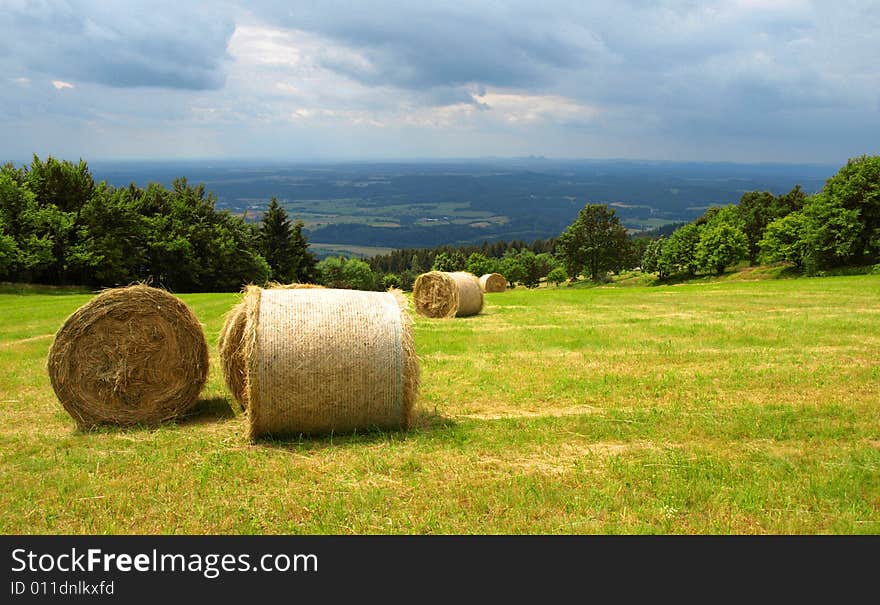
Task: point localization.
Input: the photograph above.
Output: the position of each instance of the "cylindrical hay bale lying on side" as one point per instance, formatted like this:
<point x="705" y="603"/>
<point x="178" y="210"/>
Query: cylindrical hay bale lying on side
<point x="133" y="355"/>
<point x="327" y="360"/>
<point x="442" y="294"/>
<point x="493" y="282"/>
<point x="231" y="345"/>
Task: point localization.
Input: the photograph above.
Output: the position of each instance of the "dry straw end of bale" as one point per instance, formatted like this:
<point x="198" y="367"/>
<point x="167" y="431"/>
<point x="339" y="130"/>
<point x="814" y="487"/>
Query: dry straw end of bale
<point x="132" y="355"/>
<point x="293" y="286"/>
<point x="439" y="294"/>
<point x="326" y="360"/>
<point x="493" y="282"/>
<point x="231" y="347"/>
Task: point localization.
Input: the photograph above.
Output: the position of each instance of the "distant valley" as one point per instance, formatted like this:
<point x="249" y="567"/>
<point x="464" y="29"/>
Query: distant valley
<point x="364" y="208"/>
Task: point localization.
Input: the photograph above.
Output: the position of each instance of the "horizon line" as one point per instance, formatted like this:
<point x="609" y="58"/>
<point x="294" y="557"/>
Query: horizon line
<point x="413" y="160"/>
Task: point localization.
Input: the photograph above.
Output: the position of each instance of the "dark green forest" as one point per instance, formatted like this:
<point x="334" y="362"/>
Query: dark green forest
<point x="58" y="226"/>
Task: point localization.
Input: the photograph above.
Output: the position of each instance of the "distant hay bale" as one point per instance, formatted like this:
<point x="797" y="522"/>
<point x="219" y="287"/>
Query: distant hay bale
<point x="493" y="282"/>
<point x="442" y="294"/>
<point x="324" y="360"/>
<point x="231" y="344"/>
<point x="133" y="355"/>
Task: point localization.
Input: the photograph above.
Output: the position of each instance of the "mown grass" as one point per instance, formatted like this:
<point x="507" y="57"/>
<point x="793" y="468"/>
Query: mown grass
<point x="722" y="407"/>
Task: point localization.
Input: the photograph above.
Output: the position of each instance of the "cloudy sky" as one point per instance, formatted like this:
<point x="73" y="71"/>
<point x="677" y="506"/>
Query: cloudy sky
<point x="738" y="80"/>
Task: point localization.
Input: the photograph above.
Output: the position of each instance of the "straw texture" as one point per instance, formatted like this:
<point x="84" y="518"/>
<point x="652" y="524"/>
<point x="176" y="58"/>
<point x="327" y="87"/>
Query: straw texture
<point x="231" y="344"/>
<point x="133" y="355"/>
<point x="327" y="360"/>
<point x="493" y="282"/>
<point x="442" y="294"/>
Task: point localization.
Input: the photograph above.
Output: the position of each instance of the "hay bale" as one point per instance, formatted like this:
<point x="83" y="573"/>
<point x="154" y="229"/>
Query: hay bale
<point x="231" y="344"/>
<point x="442" y="294"/>
<point x="133" y="355"/>
<point x="322" y="360"/>
<point x="293" y="286"/>
<point x="493" y="282"/>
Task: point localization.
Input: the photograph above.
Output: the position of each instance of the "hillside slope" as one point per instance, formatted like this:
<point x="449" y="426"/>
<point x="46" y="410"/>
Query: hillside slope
<point x="728" y="407"/>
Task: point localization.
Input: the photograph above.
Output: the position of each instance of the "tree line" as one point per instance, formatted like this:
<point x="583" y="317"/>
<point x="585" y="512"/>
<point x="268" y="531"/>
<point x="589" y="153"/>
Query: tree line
<point x="401" y="267"/>
<point x="838" y="226"/>
<point x="58" y="226"/>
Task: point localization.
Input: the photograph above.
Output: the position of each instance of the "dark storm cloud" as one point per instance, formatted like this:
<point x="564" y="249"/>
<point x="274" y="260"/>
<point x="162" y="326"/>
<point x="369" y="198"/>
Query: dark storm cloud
<point x="128" y="44"/>
<point x="715" y="59"/>
<point x="419" y="45"/>
<point x="794" y="79"/>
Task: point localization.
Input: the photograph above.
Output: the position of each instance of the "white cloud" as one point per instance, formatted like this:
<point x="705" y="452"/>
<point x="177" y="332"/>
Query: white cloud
<point x="61" y="84"/>
<point x="259" y="45"/>
<point x="531" y="109"/>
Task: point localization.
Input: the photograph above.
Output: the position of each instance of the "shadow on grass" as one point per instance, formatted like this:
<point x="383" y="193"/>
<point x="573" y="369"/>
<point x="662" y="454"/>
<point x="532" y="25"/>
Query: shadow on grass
<point x="206" y="411"/>
<point x="216" y="409"/>
<point x="423" y="422"/>
<point x="693" y="278"/>
<point x="740" y="274"/>
<point x="430" y="420"/>
<point x="672" y="280"/>
<point x="22" y="289"/>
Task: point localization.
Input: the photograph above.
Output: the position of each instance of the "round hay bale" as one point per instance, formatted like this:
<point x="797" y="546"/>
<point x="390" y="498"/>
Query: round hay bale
<point x="133" y="355"/>
<point x="442" y="294"/>
<point x="231" y="344"/>
<point x="231" y="348"/>
<point x="326" y="360"/>
<point x="493" y="282"/>
<point x="293" y="286"/>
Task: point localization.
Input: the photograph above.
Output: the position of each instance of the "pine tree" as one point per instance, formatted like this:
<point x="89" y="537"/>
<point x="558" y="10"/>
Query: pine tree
<point x="285" y="247"/>
<point x="306" y="267"/>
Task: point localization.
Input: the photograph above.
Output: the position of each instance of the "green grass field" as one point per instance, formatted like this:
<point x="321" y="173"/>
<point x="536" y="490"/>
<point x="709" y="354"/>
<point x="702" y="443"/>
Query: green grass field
<point x="720" y="407"/>
<point x="323" y="250"/>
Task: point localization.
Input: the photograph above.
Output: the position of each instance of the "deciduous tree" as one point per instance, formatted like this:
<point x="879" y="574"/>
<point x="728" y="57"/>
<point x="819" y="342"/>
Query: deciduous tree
<point x="557" y="275"/>
<point x="652" y="259"/>
<point x="856" y="188"/>
<point x="479" y="264"/>
<point x="594" y="244"/>
<point x="784" y="241"/>
<point x="720" y="245"/>
<point x="352" y="273"/>
<point x="680" y="251"/>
